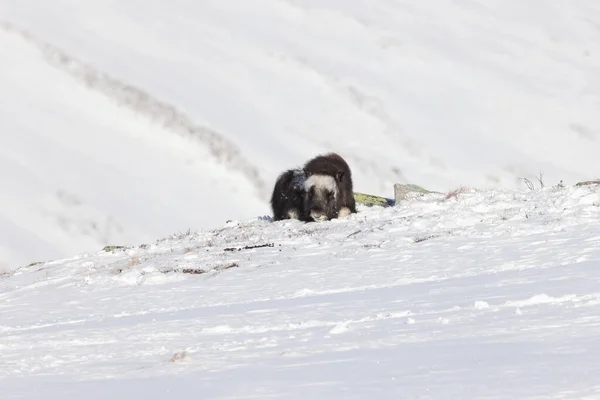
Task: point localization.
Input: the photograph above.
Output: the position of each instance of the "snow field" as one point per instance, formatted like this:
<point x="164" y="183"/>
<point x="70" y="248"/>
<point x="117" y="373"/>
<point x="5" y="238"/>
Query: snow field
<point x="490" y="294"/>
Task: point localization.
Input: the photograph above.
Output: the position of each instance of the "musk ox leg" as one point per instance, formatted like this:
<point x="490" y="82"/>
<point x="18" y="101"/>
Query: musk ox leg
<point x="344" y="212"/>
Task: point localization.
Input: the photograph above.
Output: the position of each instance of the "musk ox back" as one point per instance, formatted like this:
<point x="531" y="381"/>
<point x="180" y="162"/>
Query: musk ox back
<point x="287" y="199"/>
<point x="328" y="189"/>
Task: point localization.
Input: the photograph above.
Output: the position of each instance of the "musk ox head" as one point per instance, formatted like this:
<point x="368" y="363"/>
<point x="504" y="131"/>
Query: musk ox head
<point x="334" y="165"/>
<point x="321" y="197"/>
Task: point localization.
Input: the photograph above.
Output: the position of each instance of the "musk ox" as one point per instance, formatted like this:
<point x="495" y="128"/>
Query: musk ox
<point x="320" y="191"/>
<point x="287" y="199"/>
<point x="328" y="188"/>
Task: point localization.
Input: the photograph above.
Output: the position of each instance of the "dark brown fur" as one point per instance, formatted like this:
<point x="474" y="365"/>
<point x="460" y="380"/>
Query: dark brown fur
<point x="334" y="165"/>
<point x="288" y="195"/>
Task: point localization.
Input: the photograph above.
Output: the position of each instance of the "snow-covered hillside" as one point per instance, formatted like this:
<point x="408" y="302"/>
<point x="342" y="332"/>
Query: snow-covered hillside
<point x="119" y="118"/>
<point x="485" y="295"/>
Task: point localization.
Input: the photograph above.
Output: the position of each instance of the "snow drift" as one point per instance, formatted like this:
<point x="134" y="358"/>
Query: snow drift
<point x="482" y="294"/>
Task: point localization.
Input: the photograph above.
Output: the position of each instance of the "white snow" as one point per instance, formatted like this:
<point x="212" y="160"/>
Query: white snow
<point x="79" y="172"/>
<point x="118" y="117"/>
<point x="126" y="121"/>
<point x="492" y="294"/>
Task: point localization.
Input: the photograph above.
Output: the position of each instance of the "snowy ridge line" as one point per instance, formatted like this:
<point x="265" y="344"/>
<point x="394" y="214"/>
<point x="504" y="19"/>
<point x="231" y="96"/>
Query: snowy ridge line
<point x="145" y="104"/>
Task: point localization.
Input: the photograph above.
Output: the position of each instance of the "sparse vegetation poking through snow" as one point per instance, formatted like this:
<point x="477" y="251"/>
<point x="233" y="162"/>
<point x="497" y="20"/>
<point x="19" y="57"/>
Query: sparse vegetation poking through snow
<point x="559" y="186"/>
<point x="33" y="264"/>
<point x="454" y="194"/>
<point x="182" y="235"/>
<point x="249" y="247"/>
<point x="587" y="183"/>
<point x="180" y="356"/>
<point x="420" y="239"/>
<point x="528" y="183"/>
<point x="198" y="271"/>
<point x="112" y="248"/>
<point x="372" y="200"/>
<point x="539" y="178"/>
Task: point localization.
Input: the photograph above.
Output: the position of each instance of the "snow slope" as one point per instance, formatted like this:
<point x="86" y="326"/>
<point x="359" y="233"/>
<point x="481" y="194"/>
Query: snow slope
<point x="80" y="171"/>
<point x="440" y="93"/>
<point x="493" y="294"/>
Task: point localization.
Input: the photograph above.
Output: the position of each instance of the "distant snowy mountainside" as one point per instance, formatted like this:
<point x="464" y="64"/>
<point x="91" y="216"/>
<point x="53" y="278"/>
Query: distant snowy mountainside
<point x="161" y="117"/>
<point x="80" y="172"/>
